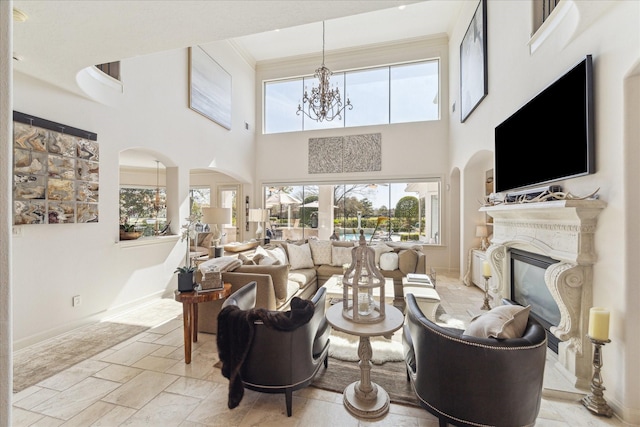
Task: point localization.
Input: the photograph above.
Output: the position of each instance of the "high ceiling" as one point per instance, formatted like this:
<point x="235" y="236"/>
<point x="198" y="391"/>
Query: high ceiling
<point x="60" y="38"/>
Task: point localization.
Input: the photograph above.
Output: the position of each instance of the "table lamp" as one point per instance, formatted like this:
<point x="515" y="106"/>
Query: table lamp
<point x="259" y="216"/>
<point x="216" y="217"/>
<point x="481" y="231"/>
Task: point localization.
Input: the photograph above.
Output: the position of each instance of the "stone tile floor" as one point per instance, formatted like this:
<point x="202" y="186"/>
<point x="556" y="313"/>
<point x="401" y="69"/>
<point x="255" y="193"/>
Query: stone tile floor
<point x="144" y="382"/>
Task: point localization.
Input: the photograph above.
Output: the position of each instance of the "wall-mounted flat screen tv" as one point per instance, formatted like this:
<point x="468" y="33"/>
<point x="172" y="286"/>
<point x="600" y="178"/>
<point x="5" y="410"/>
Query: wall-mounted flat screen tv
<point x="551" y="138"/>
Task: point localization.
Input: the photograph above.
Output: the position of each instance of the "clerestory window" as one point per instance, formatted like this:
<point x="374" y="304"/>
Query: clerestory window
<point x="398" y="93"/>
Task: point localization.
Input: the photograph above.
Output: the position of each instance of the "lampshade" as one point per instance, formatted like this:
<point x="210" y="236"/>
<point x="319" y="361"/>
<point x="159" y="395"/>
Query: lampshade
<point x="258" y="215"/>
<point x="481" y="231"/>
<point x="216" y="215"/>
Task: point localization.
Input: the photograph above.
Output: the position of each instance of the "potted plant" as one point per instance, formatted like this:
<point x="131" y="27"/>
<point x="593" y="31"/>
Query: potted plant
<point x="186" y="273"/>
<point x="185" y="278"/>
<point x="128" y="231"/>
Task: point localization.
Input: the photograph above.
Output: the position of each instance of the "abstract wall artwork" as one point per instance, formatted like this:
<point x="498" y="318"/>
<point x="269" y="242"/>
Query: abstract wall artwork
<point x="209" y="87"/>
<point x="55" y="172"/>
<point x="473" y="63"/>
<point x="354" y="153"/>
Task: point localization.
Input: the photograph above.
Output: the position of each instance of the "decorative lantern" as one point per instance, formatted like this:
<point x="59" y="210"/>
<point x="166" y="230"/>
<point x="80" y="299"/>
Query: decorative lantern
<point x="359" y="282"/>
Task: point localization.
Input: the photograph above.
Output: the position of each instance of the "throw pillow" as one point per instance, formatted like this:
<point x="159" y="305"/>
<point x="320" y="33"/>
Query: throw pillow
<point x="276" y="252"/>
<point x="261" y="259"/>
<point x="340" y="255"/>
<point x="380" y="248"/>
<point x="245" y="260"/>
<point x="300" y="256"/>
<point x="389" y="261"/>
<point x="320" y="251"/>
<point x="503" y="322"/>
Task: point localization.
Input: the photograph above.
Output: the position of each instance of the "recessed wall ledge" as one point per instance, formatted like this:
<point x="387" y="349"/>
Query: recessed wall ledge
<point x="151" y="240"/>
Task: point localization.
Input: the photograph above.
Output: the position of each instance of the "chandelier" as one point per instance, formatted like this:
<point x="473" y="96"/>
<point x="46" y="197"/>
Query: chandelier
<point x="324" y="103"/>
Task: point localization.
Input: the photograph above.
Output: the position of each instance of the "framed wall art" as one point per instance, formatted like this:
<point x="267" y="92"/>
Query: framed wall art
<point x="209" y="87"/>
<point x="55" y="172"/>
<point x="473" y="63"/>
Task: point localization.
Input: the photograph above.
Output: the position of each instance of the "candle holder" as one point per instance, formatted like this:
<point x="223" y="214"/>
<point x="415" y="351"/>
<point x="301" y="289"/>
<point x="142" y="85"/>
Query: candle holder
<point x="595" y="401"/>
<point x="486" y="305"/>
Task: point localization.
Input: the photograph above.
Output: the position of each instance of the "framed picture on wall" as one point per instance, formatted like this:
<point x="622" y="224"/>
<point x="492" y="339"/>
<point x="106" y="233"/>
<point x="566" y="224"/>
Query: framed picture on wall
<point x="209" y="87"/>
<point x="473" y="63"/>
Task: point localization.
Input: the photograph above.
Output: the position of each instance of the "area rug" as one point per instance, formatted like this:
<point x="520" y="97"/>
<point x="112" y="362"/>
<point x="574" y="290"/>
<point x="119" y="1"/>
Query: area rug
<point x="41" y="361"/>
<point x="391" y="376"/>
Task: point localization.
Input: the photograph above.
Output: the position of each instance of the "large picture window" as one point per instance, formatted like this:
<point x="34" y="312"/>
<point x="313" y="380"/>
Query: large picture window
<point x="385" y="211"/>
<point x="392" y="94"/>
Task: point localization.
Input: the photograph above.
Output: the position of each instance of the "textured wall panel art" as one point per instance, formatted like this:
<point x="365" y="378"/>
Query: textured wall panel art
<point x="354" y="153"/>
<point x="362" y="153"/>
<point x="55" y="172"/>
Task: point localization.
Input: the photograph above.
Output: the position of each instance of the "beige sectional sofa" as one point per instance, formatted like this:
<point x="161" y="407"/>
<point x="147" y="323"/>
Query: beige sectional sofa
<point x="287" y="269"/>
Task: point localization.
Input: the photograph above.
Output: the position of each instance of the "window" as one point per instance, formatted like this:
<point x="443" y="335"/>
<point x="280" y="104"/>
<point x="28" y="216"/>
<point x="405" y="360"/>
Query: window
<point x="393" y="211"/>
<point x="200" y="198"/>
<point x="144" y="208"/>
<point x="393" y="94"/>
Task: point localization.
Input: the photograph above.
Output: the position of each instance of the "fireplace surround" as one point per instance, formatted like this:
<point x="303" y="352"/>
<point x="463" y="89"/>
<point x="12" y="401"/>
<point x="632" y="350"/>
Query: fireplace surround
<point x="564" y="231"/>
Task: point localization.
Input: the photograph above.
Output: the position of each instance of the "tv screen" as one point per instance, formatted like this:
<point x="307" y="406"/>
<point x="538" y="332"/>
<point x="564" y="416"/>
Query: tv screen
<point x="551" y="138"/>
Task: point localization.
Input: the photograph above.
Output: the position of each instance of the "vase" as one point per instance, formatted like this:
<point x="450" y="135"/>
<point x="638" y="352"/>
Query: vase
<point x="129" y="235"/>
<point x="185" y="282"/>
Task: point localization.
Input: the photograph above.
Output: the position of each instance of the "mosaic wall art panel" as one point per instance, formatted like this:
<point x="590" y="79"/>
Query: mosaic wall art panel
<point x="55" y="172"/>
<point x="354" y="153"/>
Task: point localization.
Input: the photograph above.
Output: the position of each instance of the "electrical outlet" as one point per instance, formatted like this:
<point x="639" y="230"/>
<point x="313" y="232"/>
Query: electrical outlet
<point x="76" y="300"/>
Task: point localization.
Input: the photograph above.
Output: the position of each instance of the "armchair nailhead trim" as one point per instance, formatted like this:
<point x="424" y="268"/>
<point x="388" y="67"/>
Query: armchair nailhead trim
<point x="462" y="341"/>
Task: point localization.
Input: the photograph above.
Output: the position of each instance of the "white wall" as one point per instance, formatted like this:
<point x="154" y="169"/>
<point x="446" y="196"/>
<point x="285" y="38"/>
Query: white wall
<point x="52" y="263"/>
<point x="609" y="31"/>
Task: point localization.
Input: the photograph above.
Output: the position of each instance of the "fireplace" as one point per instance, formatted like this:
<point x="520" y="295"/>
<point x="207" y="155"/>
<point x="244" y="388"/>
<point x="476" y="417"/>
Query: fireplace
<point x="562" y="232"/>
<point x="528" y="287"/>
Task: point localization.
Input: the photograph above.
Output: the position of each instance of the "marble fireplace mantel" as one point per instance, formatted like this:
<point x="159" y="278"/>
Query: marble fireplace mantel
<point x="562" y="230"/>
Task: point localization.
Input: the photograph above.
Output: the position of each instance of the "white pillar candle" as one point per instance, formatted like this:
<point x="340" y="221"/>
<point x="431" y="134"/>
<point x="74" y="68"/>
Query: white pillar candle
<point x="486" y="269"/>
<point x="599" y="323"/>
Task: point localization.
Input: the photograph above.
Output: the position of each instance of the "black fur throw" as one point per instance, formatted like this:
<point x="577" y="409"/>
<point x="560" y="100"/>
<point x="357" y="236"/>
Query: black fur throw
<point x="235" y="334"/>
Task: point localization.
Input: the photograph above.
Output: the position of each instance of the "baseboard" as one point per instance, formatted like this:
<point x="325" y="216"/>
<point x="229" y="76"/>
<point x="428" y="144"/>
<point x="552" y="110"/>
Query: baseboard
<point x="84" y="321"/>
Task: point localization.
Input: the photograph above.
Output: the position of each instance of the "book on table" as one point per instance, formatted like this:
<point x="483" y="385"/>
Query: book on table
<point x="418" y="277"/>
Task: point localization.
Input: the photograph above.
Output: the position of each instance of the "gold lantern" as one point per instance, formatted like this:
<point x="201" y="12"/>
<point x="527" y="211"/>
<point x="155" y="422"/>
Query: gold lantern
<point x="359" y="282"/>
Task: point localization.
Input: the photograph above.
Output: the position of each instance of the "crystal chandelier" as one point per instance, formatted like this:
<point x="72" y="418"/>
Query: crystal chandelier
<point x="324" y="103"/>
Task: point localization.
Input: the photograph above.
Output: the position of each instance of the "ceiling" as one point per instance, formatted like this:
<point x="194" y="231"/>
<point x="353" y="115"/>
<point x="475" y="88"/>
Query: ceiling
<point x="60" y="38"/>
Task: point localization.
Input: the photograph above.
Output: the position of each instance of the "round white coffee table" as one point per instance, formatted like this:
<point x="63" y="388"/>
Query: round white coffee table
<point x="365" y="398"/>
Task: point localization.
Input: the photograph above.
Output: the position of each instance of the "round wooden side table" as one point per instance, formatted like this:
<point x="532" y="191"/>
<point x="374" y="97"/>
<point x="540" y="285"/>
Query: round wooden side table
<point x="190" y="301"/>
<point x="365" y="398"/>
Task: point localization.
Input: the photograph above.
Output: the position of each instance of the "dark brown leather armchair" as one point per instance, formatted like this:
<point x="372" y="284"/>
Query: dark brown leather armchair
<point x="283" y="361"/>
<point x="467" y="381"/>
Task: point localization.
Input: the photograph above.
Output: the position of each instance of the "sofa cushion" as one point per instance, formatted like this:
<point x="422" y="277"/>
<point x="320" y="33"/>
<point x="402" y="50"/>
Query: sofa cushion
<point x="504" y="321"/>
<point x="320" y="251"/>
<point x="389" y="261"/>
<point x="279" y="276"/>
<point x="340" y="255"/>
<point x="300" y="256"/>
<point x="302" y="276"/>
<point x="408" y="260"/>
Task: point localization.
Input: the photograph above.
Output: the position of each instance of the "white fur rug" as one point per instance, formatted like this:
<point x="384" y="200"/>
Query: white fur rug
<point x="345" y="347"/>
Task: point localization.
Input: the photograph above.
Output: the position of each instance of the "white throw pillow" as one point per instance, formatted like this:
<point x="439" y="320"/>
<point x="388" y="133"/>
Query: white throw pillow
<point x="321" y="251"/>
<point x="340" y="255"/>
<point x="300" y="256"/>
<point x="380" y="248"/>
<point x="277" y="253"/>
<point x="504" y="321"/>
<point x="389" y="261"/>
